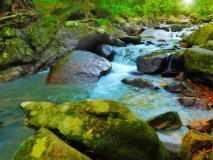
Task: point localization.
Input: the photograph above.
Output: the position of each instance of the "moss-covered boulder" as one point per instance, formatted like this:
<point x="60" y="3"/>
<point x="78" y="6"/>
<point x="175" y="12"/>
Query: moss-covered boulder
<point x="79" y="67"/>
<point x="201" y="36"/>
<point x="42" y="32"/>
<point x="198" y="64"/>
<point x="172" y="20"/>
<point x="208" y="45"/>
<point x="105" y="127"/>
<point x="93" y="39"/>
<point x="15" y="51"/>
<point x="168" y="120"/>
<point x="45" y="145"/>
<point x="194" y="142"/>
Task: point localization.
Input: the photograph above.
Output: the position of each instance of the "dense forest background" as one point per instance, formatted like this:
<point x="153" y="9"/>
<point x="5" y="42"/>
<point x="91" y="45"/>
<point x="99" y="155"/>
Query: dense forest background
<point x="132" y="8"/>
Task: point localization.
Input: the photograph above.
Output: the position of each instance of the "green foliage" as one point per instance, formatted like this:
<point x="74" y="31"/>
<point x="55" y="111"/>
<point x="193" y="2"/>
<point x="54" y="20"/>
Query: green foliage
<point x="132" y="8"/>
<point x="102" y="21"/>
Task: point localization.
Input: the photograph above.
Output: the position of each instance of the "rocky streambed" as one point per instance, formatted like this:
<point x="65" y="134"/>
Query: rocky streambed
<point x="130" y="87"/>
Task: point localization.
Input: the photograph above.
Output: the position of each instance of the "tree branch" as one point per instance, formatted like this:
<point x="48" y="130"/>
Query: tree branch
<point x="15" y="15"/>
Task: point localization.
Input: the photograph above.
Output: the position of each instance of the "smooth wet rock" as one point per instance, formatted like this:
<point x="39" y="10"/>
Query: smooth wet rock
<point x="155" y="33"/>
<point x="92" y="40"/>
<point x="201" y="104"/>
<point x="79" y="67"/>
<point x="138" y="82"/>
<point x="194" y="142"/>
<point x="201" y="126"/>
<point x="175" y="88"/>
<point x="45" y="145"/>
<point x="105" y="51"/>
<point x="165" y="121"/>
<point x="176" y="28"/>
<point x="105" y="127"/>
<point x="152" y="63"/>
<point x="193" y="102"/>
<point x="187" y="101"/>
<point x="191" y="93"/>
<point x="131" y="39"/>
<point x="201" y="36"/>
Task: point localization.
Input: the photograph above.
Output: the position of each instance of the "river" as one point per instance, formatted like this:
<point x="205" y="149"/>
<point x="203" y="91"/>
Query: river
<point x="145" y="103"/>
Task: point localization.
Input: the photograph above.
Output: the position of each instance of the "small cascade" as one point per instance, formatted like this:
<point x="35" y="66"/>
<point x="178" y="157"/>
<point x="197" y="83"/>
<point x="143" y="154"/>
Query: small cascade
<point x="169" y="61"/>
<point x="169" y="71"/>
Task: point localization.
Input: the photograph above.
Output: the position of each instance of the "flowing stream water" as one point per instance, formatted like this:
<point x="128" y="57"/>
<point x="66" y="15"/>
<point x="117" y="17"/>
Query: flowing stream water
<point x="145" y="103"/>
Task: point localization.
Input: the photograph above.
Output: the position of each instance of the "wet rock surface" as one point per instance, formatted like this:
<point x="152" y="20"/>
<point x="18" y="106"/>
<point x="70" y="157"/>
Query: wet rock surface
<point x="98" y="126"/>
<point x="79" y="67"/>
<point x="45" y="145"/>
<point x="165" y="121"/>
<point x="139" y="82"/>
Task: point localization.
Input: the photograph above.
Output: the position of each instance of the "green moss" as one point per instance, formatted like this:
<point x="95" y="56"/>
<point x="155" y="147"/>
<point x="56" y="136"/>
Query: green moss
<point x="201" y="36"/>
<point x="39" y="147"/>
<point x="103" y="126"/>
<point x="198" y="60"/>
<point x="42" y="32"/>
<point x="71" y="125"/>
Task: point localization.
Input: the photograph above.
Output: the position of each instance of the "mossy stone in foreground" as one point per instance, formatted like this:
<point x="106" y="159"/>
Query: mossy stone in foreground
<point x="105" y="127"/>
<point x="44" y="145"/>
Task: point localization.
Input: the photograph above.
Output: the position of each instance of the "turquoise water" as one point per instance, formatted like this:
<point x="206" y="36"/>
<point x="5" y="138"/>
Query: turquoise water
<point x="145" y="103"/>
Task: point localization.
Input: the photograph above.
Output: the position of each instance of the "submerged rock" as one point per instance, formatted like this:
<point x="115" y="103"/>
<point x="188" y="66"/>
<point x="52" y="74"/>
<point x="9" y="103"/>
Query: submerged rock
<point x="168" y="120"/>
<point x="79" y="67"/>
<point x="45" y="145"/>
<point x="105" y="127"/>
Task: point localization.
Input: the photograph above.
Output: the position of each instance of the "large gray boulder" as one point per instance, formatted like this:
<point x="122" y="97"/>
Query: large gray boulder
<point x="155" y="62"/>
<point x="155" y="33"/>
<point x="79" y="67"/>
<point x="104" y="127"/>
<point x="93" y="39"/>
